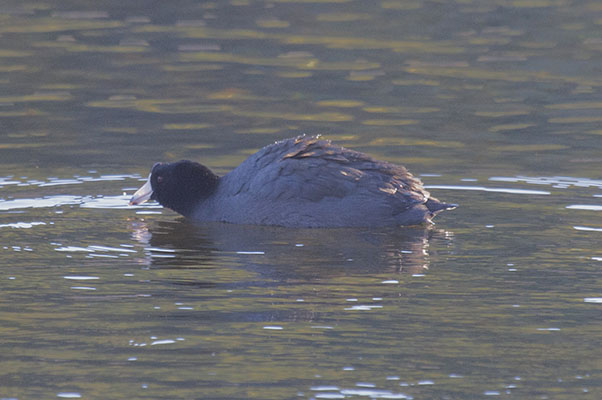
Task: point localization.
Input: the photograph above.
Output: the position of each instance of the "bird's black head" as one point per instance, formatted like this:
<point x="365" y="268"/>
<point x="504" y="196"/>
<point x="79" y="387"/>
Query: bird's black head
<point x="180" y="186"/>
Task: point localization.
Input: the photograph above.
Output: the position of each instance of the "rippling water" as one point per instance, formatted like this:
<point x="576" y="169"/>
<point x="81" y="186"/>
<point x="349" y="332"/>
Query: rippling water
<point x="494" y="104"/>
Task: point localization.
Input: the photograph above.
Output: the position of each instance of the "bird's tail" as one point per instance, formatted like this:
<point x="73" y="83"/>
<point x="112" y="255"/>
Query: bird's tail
<point x="435" y="206"/>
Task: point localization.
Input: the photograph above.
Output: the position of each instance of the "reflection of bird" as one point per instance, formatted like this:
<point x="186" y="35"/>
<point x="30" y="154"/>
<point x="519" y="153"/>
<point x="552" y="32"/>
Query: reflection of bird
<point x="299" y="182"/>
<point x="284" y="253"/>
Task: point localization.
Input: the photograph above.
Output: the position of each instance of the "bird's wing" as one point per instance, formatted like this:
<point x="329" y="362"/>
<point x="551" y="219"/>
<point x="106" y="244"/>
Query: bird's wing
<point x="310" y="169"/>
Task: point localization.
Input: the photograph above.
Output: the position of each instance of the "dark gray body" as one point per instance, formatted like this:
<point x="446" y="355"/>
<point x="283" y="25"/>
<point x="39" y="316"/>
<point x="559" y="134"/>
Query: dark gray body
<point x="307" y="182"/>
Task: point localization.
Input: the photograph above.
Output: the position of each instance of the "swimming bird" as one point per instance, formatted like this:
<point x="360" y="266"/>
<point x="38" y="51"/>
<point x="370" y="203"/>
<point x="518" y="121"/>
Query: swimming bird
<point x="299" y="182"/>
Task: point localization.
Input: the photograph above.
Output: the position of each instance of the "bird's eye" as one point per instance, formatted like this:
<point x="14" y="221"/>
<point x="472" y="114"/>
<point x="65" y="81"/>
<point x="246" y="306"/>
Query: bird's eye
<point x="159" y="179"/>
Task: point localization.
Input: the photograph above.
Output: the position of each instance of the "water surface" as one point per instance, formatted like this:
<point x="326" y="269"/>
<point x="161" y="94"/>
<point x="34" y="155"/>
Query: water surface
<point x="494" y="104"/>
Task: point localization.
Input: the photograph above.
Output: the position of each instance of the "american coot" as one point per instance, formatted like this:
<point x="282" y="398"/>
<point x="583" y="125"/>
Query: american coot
<point x="298" y="182"/>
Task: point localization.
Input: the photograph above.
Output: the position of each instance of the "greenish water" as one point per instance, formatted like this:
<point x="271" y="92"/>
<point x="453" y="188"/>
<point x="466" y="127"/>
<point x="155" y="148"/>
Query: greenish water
<point x="495" y="104"/>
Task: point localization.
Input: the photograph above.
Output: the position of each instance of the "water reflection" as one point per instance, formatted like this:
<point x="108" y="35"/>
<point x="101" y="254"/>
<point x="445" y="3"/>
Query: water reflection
<point x="284" y="253"/>
<point x="97" y="298"/>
